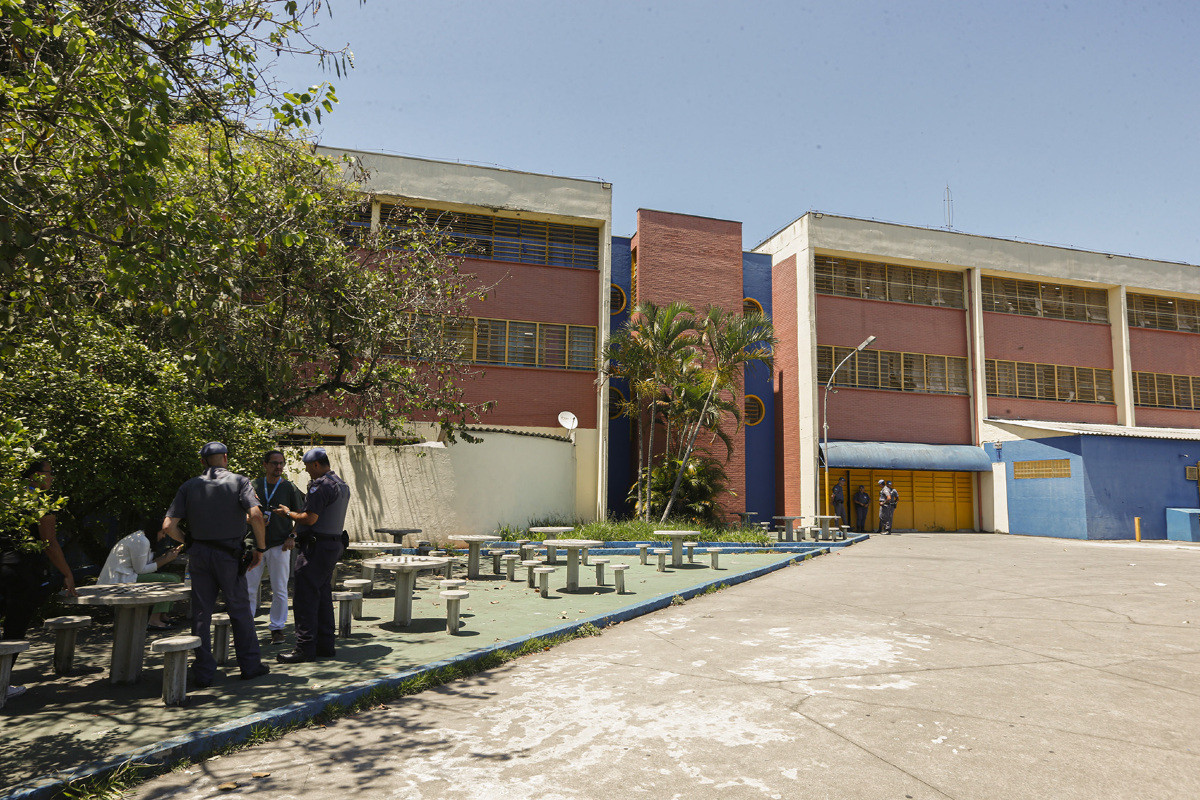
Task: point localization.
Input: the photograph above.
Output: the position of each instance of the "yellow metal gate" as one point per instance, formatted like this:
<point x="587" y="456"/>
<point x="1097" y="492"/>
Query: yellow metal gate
<point x="929" y="501"/>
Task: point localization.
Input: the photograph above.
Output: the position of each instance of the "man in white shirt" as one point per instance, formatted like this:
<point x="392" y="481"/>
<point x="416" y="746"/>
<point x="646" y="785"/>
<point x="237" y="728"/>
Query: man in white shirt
<point x="132" y="561"/>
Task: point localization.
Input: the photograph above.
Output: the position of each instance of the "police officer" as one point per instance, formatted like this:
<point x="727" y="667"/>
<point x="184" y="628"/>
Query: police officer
<point x="888" y="497"/>
<point x="319" y="539"/>
<point x="216" y="504"/>
<point x="839" y="502"/>
<point x="862" y="501"/>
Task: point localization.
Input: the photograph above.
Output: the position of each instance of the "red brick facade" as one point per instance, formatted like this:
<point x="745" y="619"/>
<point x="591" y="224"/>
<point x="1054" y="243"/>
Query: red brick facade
<point x="784" y="300"/>
<point x="847" y="321"/>
<point x="1013" y="337"/>
<point x="698" y="261"/>
<point x="1050" y="410"/>
<point x="869" y="415"/>
<point x="1170" y="352"/>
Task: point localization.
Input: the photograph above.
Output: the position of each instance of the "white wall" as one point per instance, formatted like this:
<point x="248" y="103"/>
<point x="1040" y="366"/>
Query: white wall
<point x="461" y="488"/>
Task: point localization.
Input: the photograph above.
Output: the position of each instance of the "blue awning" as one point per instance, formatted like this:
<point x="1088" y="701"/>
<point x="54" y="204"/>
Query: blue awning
<point x="904" y="455"/>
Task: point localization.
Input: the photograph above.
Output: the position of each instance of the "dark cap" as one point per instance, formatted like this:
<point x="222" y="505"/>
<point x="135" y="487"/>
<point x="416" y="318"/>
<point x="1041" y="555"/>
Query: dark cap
<point x="316" y="454"/>
<point x="213" y="449"/>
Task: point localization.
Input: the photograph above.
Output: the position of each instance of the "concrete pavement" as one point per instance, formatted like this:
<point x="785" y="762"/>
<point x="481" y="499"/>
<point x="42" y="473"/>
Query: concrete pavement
<point x="914" y="666"/>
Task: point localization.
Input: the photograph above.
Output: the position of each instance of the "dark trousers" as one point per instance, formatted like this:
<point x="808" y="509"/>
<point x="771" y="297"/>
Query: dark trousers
<point x="312" y="601"/>
<point x="839" y="511"/>
<point x="885" y="518"/>
<point x="215" y="569"/>
<point x="21" y="592"/>
<point x="860" y="519"/>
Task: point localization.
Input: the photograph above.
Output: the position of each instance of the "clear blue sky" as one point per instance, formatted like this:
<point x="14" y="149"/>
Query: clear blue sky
<point x="1065" y="123"/>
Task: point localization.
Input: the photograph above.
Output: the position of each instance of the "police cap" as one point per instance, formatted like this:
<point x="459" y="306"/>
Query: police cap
<point x="213" y="449"/>
<point x="316" y="454"/>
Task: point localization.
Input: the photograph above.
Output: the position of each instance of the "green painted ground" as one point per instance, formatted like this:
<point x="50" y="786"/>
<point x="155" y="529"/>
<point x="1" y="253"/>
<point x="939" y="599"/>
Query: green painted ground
<point x="61" y="723"/>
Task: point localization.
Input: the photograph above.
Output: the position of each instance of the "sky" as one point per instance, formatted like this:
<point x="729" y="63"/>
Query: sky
<point x="1066" y="123"/>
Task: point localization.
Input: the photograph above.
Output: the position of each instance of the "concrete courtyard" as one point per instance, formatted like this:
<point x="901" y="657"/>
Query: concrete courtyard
<point x="913" y="666"/>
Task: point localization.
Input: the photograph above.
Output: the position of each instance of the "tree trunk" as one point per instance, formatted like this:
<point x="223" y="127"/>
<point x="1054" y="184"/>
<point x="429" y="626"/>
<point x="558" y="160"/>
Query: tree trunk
<point x="687" y="453"/>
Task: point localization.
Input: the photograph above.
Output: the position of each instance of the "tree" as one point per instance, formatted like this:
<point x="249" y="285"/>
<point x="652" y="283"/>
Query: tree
<point x="684" y="374"/>
<point x="122" y="425"/>
<point x="89" y="90"/>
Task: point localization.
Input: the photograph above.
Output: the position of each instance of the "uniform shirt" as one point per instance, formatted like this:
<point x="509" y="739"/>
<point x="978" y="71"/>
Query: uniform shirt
<point x="839" y="494"/>
<point x="884" y="495"/>
<point x="862" y="499"/>
<point x="130" y="557"/>
<point x="328" y="497"/>
<point x="284" y="493"/>
<point x="214" y="503"/>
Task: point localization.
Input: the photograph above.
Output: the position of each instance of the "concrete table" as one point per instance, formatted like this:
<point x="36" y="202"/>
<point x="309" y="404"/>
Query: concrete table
<point x="550" y="532"/>
<point x="131" y="602"/>
<point x="406" y="569"/>
<point x="473" y="543"/>
<point x="572" y="546"/>
<point x="745" y="516"/>
<point x="375" y="548"/>
<point x="397" y="534"/>
<point x="789" y="527"/>
<point x="824" y="522"/>
<point x="677" y="538"/>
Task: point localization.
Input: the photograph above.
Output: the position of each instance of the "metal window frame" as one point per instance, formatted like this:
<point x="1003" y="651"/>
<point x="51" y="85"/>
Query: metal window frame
<point x="1148" y="390"/>
<point x="1036" y="381"/>
<point x="871" y="280"/>
<point x="877" y="372"/>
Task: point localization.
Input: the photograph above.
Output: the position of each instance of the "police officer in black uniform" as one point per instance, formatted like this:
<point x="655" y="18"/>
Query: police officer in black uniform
<point x="839" y="502"/>
<point x="216" y="504"/>
<point x="320" y="539"/>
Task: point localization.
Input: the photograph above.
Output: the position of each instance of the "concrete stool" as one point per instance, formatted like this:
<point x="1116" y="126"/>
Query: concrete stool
<point x="220" y="637"/>
<point x="346" y="601"/>
<point x="618" y="571"/>
<point x="584" y="557"/>
<point x="8" y="654"/>
<point x="543" y="574"/>
<point x="175" y="651"/>
<point x="65" y="629"/>
<point x="845" y="531"/>
<point x="691" y="547"/>
<point x="715" y="553"/>
<point x="496" y="556"/>
<point x="522" y="546"/>
<point x="599" y="563"/>
<point x="642" y="550"/>
<point x="510" y="565"/>
<point x="662" y="559"/>
<point x="361" y="586"/>
<point x="530" y="565"/>
<point x="453" y="597"/>
<point x="452" y="583"/>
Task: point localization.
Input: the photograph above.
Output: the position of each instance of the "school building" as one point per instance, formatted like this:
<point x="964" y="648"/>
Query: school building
<point x="1010" y="386"/>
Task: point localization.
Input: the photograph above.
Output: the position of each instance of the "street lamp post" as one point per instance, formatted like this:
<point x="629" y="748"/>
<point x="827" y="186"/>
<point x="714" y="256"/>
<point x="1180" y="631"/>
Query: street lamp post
<point x="825" y="415"/>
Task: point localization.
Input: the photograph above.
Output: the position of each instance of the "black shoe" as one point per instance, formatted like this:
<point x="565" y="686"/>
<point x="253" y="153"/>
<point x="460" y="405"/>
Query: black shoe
<point x="262" y="669"/>
<point x="294" y="657"/>
<point x="277" y="637"/>
<point x="330" y="653"/>
<point x="201" y="683"/>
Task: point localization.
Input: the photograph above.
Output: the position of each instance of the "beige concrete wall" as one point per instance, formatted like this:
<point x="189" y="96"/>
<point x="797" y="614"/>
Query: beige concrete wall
<point x="993" y="500"/>
<point x="461" y="488"/>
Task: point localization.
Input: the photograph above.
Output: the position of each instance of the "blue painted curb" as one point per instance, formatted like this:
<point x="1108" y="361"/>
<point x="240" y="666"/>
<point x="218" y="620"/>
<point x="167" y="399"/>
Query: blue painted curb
<point x="202" y="742"/>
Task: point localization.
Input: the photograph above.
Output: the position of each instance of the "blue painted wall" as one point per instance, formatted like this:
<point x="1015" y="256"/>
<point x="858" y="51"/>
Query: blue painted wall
<point x="620" y="452"/>
<point x="760" y="381"/>
<point x="1113" y="479"/>
<point x="1129" y="478"/>
<point x="1045" y="506"/>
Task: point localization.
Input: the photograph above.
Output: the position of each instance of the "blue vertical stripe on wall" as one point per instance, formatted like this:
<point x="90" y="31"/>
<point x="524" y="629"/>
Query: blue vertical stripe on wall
<point x="620" y="453"/>
<point x="760" y="381"/>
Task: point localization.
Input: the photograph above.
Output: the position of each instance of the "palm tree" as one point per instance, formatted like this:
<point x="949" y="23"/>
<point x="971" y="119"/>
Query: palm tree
<point x="731" y="341"/>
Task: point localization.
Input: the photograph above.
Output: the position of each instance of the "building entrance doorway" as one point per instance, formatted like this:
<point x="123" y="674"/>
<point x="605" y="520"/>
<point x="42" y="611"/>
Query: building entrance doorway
<point x="929" y="501"/>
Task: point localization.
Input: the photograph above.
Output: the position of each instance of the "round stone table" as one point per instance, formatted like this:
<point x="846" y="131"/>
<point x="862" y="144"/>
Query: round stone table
<point x="677" y="538"/>
<point x="397" y="534"/>
<point x="789" y="528"/>
<point x="548" y="532"/>
<point x="572" y="546"/>
<point x="373" y="548"/>
<point x="474" y="541"/>
<point x="131" y="602"/>
<point x="406" y="569"/>
<point x="824" y="522"/>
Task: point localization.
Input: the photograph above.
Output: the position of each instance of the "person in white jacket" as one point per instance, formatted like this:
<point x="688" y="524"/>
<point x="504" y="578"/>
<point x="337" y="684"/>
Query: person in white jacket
<point x="132" y="561"/>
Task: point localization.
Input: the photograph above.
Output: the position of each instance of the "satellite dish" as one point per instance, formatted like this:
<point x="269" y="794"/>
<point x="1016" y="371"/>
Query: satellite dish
<point x="568" y="420"/>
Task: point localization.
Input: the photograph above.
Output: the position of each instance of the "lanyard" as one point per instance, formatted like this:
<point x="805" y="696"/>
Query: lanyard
<point x="271" y="493"/>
